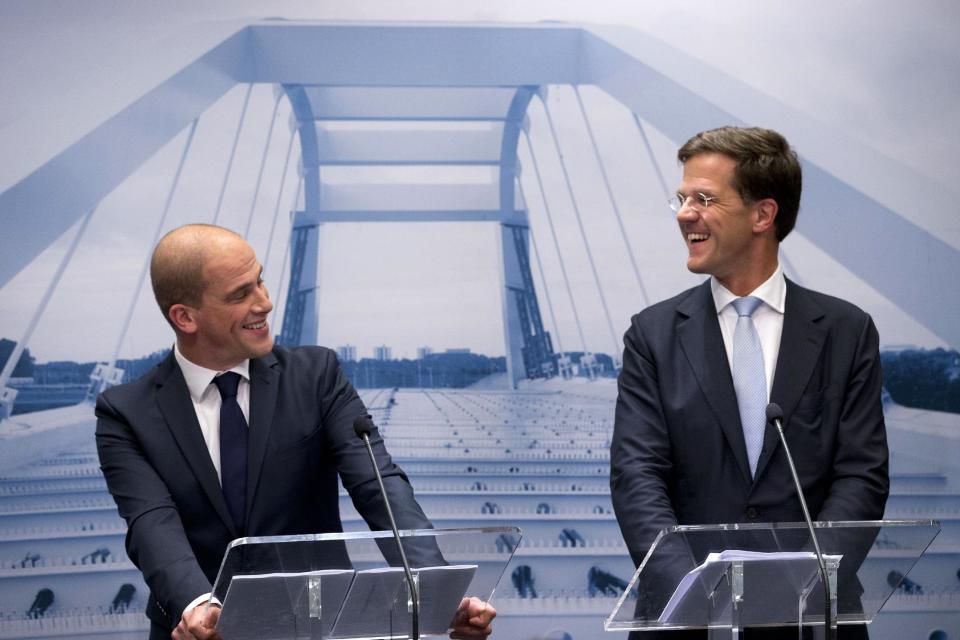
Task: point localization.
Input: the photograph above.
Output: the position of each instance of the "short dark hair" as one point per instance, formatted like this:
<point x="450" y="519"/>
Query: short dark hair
<point x="766" y="167"/>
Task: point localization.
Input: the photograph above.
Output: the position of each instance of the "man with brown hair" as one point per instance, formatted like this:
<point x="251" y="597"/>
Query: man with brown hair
<point x="233" y="436"/>
<point x="690" y="443"/>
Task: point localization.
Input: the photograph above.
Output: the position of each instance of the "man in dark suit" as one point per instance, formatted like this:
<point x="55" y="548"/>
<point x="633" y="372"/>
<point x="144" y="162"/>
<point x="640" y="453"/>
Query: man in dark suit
<point x="175" y="472"/>
<point x="690" y="444"/>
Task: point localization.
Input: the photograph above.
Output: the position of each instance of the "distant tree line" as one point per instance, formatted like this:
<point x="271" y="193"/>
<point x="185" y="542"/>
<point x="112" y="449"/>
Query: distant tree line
<point x="436" y="370"/>
<point x="63" y="382"/>
<point x="61" y="372"/>
<point x="452" y="370"/>
<point x="69" y="372"/>
<point x="923" y="378"/>
<point x="24" y="368"/>
<point x="918" y="378"/>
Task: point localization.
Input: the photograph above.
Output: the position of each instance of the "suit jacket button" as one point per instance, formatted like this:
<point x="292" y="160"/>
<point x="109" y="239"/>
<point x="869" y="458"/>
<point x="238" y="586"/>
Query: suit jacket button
<point x="751" y="512"/>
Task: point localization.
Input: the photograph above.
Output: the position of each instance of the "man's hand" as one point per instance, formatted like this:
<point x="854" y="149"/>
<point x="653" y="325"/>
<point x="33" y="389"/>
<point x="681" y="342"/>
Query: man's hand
<point x="198" y="624"/>
<point x="473" y="619"/>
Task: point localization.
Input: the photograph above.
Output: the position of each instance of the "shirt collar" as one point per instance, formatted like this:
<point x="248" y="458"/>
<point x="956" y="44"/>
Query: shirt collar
<point x="199" y="378"/>
<point x="773" y="292"/>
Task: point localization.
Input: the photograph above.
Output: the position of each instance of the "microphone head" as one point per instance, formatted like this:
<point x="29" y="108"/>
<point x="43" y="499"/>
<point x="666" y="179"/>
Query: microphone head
<point x="362" y="426"/>
<point x="774" y="412"/>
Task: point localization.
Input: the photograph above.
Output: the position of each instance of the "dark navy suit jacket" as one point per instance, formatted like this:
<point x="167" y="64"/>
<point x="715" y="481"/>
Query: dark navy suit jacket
<point x="160" y="473"/>
<point x="678" y="455"/>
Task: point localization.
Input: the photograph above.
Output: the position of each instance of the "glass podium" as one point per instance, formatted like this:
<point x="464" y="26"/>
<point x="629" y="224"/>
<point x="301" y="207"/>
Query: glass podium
<point x="352" y="585"/>
<point x="730" y="576"/>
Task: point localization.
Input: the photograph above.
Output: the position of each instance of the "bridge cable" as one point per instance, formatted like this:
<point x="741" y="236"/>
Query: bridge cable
<point x="276" y="208"/>
<point x="263" y="163"/>
<point x="233" y="151"/>
<point x="156" y="237"/>
<point x="35" y="319"/>
<point x="583" y="232"/>
<point x="556" y="244"/>
<point x="653" y="158"/>
<point x="613" y="201"/>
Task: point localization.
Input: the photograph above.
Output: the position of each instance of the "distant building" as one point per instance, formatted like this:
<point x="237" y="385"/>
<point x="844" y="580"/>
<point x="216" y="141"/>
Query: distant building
<point x="383" y="352"/>
<point x="423" y="352"/>
<point x="347" y="353"/>
<point x="457" y="351"/>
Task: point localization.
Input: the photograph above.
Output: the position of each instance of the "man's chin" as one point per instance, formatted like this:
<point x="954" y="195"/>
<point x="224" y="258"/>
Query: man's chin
<point x="696" y="266"/>
<point x="262" y="348"/>
<point x="268" y="347"/>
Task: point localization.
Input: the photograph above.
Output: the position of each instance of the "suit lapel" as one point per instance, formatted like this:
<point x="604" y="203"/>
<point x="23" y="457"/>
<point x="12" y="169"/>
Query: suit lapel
<point x="800" y="345"/>
<point x="173" y="398"/>
<point x="702" y="342"/>
<point x="264" y="386"/>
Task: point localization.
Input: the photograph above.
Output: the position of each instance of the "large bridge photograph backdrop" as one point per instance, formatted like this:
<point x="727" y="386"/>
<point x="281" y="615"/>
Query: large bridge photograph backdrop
<point x="468" y="207"/>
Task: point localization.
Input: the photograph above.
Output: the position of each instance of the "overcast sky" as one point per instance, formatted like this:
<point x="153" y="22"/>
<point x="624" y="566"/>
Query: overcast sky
<point x="888" y="78"/>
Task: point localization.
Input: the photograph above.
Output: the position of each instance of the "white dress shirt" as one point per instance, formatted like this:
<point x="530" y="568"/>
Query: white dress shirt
<point x="206" y="404"/>
<point x="206" y="399"/>
<point x="767" y="319"/>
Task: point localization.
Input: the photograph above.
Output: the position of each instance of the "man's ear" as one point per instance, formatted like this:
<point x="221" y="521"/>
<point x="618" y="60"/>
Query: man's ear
<point x="184" y="318"/>
<point x="766" y="215"/>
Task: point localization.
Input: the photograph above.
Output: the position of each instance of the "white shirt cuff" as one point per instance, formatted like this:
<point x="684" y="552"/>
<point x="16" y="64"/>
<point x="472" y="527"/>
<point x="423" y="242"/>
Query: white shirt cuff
<point x="197" y="601"/>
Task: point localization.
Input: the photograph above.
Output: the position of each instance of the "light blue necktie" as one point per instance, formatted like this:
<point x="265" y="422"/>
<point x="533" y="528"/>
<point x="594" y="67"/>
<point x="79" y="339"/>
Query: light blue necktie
<point x="749" y="379"/>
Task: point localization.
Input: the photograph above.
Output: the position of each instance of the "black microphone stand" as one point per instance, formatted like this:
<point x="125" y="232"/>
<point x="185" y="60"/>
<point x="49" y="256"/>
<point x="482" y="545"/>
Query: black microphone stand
<point x="362" y="427"/>
<point x="775" y="417"/>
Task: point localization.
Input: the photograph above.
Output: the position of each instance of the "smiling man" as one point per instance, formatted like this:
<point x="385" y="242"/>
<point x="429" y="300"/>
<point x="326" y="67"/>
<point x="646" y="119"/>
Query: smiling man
<point x="232" y="436"/>
<point x="690" y="443"/>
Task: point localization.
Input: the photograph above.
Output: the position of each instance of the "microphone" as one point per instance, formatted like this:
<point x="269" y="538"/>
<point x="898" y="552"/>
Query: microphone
<point x="362" y="426"/>
<point x="775" y="417"/>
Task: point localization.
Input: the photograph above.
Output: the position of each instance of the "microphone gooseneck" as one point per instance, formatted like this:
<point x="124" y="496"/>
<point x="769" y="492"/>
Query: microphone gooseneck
<point x="775" y="417"/>
<point x="363" y="426"/>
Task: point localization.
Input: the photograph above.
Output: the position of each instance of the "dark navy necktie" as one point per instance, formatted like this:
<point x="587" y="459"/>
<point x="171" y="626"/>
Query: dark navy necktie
<point x="233" y="448"/>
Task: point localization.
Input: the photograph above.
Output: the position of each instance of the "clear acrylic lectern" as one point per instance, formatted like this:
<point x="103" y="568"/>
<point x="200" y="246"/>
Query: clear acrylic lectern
<point x="730" y="576"/>
<point x="352" y="585"/>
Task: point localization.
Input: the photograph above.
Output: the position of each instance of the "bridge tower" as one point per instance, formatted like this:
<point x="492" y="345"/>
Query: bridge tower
<point x="355" y="129"/>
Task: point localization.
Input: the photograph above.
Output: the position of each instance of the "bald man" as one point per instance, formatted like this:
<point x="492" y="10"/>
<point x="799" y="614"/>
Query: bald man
<point x="168" y="443"/>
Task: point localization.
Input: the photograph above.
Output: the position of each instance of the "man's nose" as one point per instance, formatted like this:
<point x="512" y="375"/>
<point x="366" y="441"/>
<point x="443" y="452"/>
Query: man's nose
<point x="687" y="213"/>
<point x="263" y="303"/>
